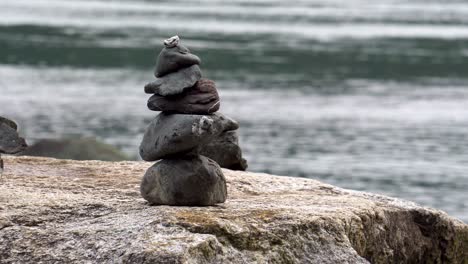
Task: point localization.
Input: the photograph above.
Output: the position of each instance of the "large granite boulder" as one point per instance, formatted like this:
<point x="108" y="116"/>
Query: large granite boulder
<point x="65" y="211"/>
<point x="170" y="135"/>
<point x="189" y="180"/>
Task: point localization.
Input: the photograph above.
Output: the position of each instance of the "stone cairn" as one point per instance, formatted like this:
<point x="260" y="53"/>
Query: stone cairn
<point x="189" y="137"/>
<point x="10" y="141"/>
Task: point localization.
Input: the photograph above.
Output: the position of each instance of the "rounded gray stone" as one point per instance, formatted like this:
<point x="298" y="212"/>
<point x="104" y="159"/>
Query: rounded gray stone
<point x="191" y="181"/>
<point x="176" y="82"/>
<point x="9" y="122"/>
<point x="172" y="59"/>
<point x="170" y="135"/>
<point x="10" y="141"/>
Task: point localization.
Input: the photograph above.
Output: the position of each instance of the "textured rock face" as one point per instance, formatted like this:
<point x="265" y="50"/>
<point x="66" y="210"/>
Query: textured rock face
<point x="61" y="211"/>
<point x="173" y="134"/>
<point x="190" y="180"/>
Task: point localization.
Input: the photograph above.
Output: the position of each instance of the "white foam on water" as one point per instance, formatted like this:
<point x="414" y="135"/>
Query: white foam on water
<point x="210" y="18"/>
<point x="298" y="30"/>
<point x="253" y="7"/>
<point x="375" y="102"/>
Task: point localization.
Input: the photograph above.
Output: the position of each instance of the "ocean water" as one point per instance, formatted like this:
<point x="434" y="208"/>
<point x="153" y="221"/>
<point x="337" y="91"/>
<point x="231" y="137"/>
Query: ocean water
<point x="363" y="95"/>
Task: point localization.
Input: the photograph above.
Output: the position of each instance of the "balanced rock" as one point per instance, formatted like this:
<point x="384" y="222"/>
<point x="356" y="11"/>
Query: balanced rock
<point x="10" y="141"/>
<point x="189" y="180"/>
<point x="8" y="122"/>
<point x="169" y="135"/>
<point x="187" y="123"/>
<point x="174" y="57"/>
<point x="225" y="151"/>
<point x="202" y="98"/>
<point x="175" y="82"/>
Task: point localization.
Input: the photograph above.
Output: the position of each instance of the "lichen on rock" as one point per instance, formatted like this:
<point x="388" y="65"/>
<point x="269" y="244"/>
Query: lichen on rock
<point x="67" y="211"/>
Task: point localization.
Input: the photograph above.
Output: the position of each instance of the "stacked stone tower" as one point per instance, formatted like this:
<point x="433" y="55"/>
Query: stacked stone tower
<point x="188" y="125"/>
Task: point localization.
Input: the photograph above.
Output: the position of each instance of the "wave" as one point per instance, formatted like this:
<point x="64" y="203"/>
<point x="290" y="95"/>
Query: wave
<point x="318" y="20"/>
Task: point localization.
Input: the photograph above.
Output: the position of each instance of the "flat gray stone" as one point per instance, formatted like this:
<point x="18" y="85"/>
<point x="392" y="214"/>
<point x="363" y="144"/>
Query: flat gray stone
<point x="10" y="141"/>
<point x="225" y="151"/>
<point x="172" y="135"/>
<point x="176" y="82"/>
<point x="190" y="181"/>
<point x="172" y="59"/>
<point x="202" y="99"/>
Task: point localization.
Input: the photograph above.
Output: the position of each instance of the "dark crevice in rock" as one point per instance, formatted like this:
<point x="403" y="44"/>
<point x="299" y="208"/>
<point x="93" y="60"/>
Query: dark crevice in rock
<point x="5" y="227"/>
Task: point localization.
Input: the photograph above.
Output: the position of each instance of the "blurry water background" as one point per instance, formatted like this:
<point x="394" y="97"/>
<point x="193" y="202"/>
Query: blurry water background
<point x="367" y="95"/>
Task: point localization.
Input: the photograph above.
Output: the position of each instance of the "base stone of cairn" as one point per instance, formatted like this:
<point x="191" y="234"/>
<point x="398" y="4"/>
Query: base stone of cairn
<point x="192" y="180"/>
<point x="189" y="139"/>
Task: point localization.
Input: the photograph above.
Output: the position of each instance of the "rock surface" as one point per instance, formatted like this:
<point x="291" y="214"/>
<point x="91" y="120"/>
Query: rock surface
<point x="62" y="211"/>
<point x="169" y="135"/>
<point x="202" y="98"/>
<point x="175" y="83"/>
<point x="225" y="151"/>
<point x="190" y="180"/>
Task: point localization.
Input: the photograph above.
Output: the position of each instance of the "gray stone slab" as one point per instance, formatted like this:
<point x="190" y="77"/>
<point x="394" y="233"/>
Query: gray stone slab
<point x="202" y="98"/>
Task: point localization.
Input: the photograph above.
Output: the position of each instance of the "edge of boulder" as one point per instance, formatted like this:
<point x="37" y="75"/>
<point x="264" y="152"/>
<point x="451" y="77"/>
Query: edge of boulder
<point x="91" y="211"/>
